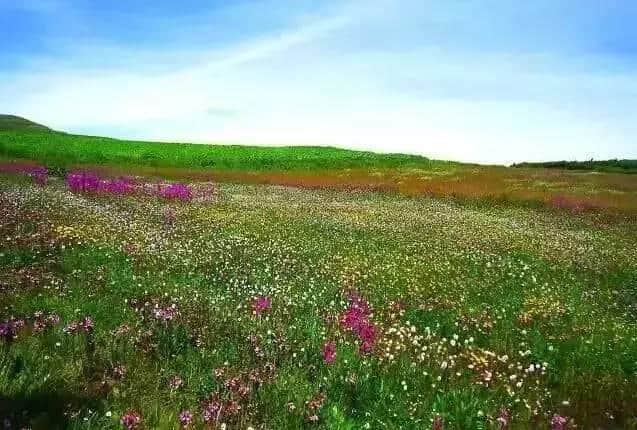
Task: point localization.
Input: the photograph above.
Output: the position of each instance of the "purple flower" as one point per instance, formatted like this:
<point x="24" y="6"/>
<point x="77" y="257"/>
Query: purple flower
<point x="329" y="352"/>
<point x="130" y="420"/>
<point x="10" y="328"/>
<point x="6" y="331"/>
<point x="185" y="418"/>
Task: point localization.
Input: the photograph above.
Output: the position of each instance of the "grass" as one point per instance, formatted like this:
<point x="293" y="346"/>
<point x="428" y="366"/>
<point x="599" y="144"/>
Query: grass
<point x="477" y="309"/>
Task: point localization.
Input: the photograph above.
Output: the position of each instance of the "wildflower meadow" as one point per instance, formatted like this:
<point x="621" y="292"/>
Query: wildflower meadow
<point x="133" y="303"/>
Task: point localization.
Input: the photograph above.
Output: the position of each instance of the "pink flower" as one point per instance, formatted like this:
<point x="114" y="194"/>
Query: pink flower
<point x="329" y="352"/>
<point x="130" y="420"/>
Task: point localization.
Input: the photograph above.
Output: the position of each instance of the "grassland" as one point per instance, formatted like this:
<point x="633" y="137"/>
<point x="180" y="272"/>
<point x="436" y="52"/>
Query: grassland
<point x="424" y="295"/>
<point x="319" y="168"/>
<point x="616" y="166"/>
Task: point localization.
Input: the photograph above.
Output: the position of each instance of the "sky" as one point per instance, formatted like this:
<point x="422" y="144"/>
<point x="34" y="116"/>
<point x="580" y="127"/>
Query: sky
<point x="489" y="81"/>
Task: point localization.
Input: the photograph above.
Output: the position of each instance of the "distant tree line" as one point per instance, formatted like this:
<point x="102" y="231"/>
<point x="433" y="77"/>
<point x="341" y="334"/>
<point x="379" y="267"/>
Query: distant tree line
<point x="621" y="166"/>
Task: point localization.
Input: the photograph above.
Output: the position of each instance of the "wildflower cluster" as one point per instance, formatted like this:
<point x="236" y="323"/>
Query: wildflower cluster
<point x="39" y="174"/>
<point x="86" y="325"/>
<point x="11" y="328"/>
<point x="357" y="320"/>
<point x="91" y="183"/>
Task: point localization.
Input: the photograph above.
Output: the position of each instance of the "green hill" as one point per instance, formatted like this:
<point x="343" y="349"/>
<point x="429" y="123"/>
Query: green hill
<point x="13" y="122"/>
<point x="23" y="139"/>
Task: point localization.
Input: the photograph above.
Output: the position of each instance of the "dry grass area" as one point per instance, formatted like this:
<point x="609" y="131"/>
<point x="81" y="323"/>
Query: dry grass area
<point x="576" y="191"/>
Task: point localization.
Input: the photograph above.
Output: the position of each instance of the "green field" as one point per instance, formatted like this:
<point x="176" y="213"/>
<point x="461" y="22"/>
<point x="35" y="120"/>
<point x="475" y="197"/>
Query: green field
<point x="280" y="307"/>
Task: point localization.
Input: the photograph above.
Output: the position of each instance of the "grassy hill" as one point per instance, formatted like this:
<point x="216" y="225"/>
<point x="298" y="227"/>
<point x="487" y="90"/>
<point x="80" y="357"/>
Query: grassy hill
<point x="16" y="123"/>
<point x="20" y="138"/>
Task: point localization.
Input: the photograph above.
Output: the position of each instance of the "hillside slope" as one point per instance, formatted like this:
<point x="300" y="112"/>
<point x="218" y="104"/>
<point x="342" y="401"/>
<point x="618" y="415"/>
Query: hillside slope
<point x="13" y="123"/>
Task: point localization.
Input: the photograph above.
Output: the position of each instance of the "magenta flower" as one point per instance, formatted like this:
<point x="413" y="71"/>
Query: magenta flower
<point x="176" y="192"/>
<point x="261" y="305"/>
<point x="185" y="418"/>
<point x="130" y="420"/>
<point x="558" y="422"/>
<point x="329" y="352"/>
<point x="356" y="319"/>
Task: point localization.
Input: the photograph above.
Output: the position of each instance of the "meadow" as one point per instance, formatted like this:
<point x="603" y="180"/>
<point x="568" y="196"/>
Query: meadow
<point x="278" y="307"/>
<point x="431" y="295"/>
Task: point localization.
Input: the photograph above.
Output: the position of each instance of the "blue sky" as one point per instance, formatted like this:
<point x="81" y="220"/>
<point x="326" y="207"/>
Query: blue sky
<point x="484" y="81"/>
